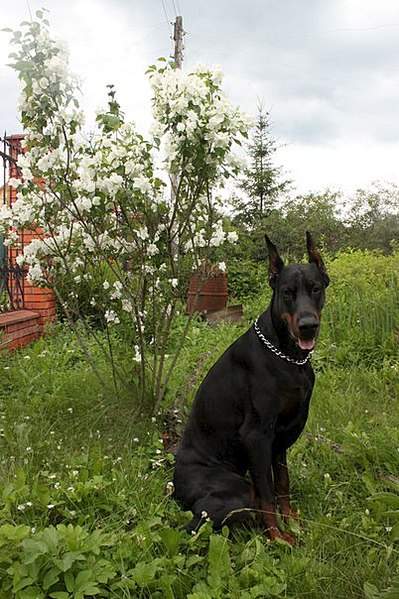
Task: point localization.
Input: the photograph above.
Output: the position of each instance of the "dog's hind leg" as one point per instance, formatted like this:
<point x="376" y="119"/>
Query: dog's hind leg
<point x="228" y="501"/>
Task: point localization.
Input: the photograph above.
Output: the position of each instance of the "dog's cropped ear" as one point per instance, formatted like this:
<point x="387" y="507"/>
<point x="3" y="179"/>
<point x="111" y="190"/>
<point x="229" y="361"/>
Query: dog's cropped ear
<point x="315" y="257"/>
<point x="276" y="264"/>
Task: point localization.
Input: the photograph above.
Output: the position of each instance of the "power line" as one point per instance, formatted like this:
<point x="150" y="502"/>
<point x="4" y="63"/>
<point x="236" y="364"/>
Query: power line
<point x="174" y="6"/>
<point x="168" y="21"/>
<point x="29" y="10"/>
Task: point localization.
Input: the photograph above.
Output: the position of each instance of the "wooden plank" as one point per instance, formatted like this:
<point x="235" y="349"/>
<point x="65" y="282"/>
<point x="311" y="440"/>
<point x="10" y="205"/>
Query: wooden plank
<point x="229" y="314"/>
<point x="16" y="326"/>
<point x="17" y="334"/>
<point x="16" y="316"/>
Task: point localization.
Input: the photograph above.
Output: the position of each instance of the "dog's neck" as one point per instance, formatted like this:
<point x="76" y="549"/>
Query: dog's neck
<point x="275" y="330"/>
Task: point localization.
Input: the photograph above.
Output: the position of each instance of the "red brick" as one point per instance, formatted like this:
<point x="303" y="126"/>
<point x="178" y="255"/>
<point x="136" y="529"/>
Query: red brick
<point x="25" y="332"/>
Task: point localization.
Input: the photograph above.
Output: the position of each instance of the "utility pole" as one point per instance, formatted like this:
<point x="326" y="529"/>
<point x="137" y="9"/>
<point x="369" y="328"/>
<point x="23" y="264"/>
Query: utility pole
<point x="178" y="39"/>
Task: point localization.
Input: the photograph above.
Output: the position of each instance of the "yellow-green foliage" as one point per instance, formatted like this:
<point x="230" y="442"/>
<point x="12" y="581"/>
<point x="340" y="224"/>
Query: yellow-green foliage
<point x="361" y="318"/>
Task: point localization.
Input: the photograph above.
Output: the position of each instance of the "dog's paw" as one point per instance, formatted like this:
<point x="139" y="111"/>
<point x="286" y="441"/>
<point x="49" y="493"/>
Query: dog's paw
<point x="275" y="534"/>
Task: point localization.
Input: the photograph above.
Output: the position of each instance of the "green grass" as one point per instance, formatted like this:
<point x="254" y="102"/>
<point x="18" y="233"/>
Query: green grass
<point x="83" y="507"/>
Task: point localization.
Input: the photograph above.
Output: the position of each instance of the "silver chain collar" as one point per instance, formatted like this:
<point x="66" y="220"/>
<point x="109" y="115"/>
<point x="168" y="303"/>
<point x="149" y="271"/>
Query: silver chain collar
<point x="276" y="351"/>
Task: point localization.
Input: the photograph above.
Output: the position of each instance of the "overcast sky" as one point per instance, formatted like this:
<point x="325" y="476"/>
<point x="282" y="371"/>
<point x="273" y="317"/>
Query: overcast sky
<point x="327" y="71"/>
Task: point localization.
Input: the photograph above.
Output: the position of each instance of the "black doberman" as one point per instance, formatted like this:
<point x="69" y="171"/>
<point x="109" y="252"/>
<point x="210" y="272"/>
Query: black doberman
<point x="253" y="405"/>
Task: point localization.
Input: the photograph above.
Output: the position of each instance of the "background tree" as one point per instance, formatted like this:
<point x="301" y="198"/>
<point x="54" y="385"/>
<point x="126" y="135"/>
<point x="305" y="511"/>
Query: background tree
<point x="373" y="220"/>
<point x="263" y="182"/>
<point x="316" y="212"/>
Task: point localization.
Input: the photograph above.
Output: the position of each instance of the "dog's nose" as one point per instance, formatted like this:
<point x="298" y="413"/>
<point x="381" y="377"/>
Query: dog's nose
<point x="308" y="325"/>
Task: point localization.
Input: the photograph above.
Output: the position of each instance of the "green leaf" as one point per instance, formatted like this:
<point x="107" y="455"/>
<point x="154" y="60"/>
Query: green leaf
<point x="8" y="532"/>
<point x="50" y="578"/>
<point x="395" y="532"/>
<point x="90" y="589"/>
<point x="22" y="583"/>
<point x="390" y="500"/>
<point x="50" y="537"/>
<point x="171" y="538"/>
<point x="33" y="549"/>
<point x="69" y="581"/>
<point x="370" y="591"/>
<point x="59" y="595"/>
<point x="219" y="557"/>
<point x="144" y="572"/>
<point x="83" y="578"/>
<point x="31" y="593"/>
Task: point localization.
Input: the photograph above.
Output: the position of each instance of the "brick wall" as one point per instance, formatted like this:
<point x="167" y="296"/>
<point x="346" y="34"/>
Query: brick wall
<point x="25" y="325"/>
<point x="37" y="299"/>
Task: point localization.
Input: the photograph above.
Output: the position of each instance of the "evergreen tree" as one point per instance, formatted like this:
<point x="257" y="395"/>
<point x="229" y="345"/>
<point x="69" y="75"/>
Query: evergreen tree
<point x="262" y="181"/>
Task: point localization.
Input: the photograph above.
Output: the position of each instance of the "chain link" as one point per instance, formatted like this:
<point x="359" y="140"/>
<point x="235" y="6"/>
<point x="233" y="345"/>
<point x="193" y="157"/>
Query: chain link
<point x="276" y="351"/>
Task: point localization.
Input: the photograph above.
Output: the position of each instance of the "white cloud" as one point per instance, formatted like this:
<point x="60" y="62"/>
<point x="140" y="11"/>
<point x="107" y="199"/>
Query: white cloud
<point x="344" y="165"/>
<point x="326" y="70"/>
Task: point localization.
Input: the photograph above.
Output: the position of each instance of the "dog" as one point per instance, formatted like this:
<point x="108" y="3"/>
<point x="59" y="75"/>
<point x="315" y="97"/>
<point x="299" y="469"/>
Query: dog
<point x="253" y="405"/>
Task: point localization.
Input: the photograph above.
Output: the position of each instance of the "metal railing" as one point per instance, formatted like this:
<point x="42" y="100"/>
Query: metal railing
<point x="12" y="276"/>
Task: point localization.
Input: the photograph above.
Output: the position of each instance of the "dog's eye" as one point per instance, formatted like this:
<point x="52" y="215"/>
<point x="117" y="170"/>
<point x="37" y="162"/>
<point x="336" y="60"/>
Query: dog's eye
<point x="316" y="289"/>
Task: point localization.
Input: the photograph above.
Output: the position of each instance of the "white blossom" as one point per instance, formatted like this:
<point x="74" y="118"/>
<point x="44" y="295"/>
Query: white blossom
<point x="232" y="236"/>
<point x="111" y="317"/>
<point x="222" y="266"/>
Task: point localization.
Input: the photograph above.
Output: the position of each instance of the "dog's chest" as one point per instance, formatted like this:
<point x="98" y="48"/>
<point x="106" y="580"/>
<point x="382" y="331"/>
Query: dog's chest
<point x="293" y="397"/>
<point x="292" y="403"/>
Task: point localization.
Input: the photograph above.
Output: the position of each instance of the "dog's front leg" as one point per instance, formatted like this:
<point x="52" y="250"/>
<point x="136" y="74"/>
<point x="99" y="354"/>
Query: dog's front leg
<point x="282" y="485"/>
<point x="259" y="451"/>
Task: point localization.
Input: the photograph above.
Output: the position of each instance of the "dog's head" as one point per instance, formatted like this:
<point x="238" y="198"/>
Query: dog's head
<point x="299" y="292"/>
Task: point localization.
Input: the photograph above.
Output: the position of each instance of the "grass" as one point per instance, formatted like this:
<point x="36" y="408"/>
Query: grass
<point x="83" y="506"/>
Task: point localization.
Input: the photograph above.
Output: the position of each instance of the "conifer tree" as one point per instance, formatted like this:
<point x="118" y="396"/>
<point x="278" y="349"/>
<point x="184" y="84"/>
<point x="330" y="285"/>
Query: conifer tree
<point x="262" y="182"/>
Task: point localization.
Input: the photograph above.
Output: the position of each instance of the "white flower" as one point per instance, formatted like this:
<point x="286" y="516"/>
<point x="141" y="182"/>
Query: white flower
<point x="106" y="285"/>
<point x="142" y="184"/>
<point x="217" y="236"/>
<point x="127" y="305"/>
<point x="174" y="283"/>
<point x="50" y="506"/>
<point x="152" y="249"/>
<point x="232" y="237"/>
<point x="15" y="183"/>
<point x="222" y="266"/>
<point x="44" y="83"/>
<point x="111" y="317"/>
<point x="117" y="293"/>
<point x="143" y="233"/>
<point x="137" y="354"/>
<point x="170" y="487"/>
<point x="35" y="273"/>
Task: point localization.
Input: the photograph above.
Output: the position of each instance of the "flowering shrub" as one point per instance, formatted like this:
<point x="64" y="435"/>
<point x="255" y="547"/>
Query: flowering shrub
<point x="144" y="207"/>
